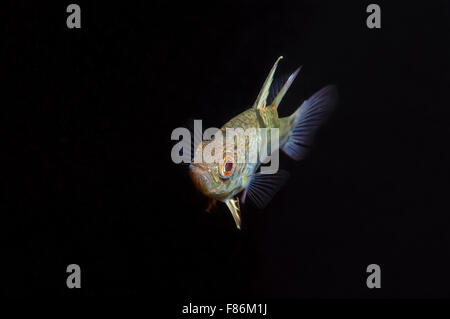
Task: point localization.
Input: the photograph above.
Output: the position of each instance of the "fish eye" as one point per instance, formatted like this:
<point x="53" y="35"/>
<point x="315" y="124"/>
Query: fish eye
<point x="226" y="168"/>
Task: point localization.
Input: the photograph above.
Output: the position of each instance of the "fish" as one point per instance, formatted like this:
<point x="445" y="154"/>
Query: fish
<point x="225" y="179"/>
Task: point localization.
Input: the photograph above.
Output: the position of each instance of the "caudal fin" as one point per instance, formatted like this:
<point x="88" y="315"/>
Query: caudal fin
<point x="307" y="120"/>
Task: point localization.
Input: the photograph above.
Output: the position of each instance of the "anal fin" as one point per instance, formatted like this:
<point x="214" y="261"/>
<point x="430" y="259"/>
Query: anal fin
<point x="262" y="187"/>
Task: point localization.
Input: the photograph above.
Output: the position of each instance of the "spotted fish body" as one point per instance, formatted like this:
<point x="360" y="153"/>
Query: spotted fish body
<point x="252" y="118"/>
<point x="223" y="181"/>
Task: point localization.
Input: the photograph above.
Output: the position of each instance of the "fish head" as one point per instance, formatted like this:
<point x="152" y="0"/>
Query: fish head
<point x="221" y="178"/>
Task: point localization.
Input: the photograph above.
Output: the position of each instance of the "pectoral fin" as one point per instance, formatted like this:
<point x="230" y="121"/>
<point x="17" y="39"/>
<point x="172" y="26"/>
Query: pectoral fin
<point x="233" y="205"/>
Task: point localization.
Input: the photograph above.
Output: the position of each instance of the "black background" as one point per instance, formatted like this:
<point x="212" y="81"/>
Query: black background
<point x="87" y="174"/>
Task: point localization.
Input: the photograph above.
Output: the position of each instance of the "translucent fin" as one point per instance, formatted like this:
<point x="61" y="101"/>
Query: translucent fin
<point x="262" y="187"/>
<point x="275" y="88"/>
<point x="211" y="205"/>
<point x="262" y="96"/>
<point x="280" y="94"/>
<point x="233" y="205"/>
<point x="307" y="120"/>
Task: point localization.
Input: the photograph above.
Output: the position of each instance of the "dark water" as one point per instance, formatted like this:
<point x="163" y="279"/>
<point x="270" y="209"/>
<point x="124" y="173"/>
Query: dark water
<point x="88" y="178"/>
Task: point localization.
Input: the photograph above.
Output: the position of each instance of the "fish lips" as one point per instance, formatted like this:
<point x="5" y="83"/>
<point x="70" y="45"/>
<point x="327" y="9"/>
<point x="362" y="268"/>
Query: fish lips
<point x="200" y="177"/>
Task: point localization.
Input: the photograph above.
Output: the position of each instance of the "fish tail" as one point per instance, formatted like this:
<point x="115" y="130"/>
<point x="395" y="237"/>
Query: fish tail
<point x="298" y="130"/>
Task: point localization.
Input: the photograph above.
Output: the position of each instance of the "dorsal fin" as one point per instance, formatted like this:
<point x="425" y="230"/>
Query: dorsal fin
<point x="264" y="92"/>
<point x="275" y="88"/>
<point x="280" y="94"/>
